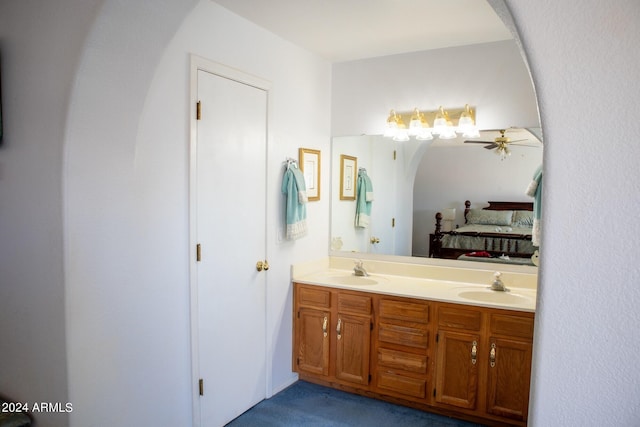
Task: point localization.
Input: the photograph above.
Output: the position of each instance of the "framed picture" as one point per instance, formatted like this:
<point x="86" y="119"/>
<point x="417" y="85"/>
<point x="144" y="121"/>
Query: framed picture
<point x="309" y="161"/>
<point x="348" y="168"/>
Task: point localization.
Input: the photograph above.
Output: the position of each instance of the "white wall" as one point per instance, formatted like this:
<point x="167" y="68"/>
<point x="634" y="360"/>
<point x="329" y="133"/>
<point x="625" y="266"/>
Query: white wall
<point x="40" y="45"/>
<point x="586" y="369"/>
<point x="127" y="197"/>
<point x="491" y="76"/>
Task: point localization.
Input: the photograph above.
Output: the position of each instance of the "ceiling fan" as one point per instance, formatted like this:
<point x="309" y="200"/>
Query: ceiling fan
<point x="500" y="144"/>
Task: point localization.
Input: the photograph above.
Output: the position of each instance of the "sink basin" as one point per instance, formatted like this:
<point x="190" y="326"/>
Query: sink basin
<point x="487" y="295"/>
<point x="351" y="279"/>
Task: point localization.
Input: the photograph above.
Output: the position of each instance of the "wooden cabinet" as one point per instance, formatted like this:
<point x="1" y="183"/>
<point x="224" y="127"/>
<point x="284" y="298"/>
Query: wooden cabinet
<point x="509" y="370"/>
<point x="313" y="342"/>
<point x="402" y="349"/>
<point x="483" y="362"/>
<point x="458" y="338"/>
<point x="353" y="338"/>
<point x="332" y="334"/>
<point x="443" y="357"/>
<point x="313" y="311"/>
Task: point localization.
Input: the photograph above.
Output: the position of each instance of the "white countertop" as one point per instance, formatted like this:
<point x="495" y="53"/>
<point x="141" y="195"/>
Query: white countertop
<point x="468" y="286"/>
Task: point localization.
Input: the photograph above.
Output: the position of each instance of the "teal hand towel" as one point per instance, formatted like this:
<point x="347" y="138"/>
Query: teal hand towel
<point x="364" y="197"/>
<point x="535" y="190"/>
<point x="294" y="188"/>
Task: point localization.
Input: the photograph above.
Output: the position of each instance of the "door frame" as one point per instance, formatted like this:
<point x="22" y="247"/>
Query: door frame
<point x="198" y="63"/>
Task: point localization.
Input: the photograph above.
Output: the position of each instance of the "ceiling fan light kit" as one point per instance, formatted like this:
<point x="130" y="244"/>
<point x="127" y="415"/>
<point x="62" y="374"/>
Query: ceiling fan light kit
<point x="443" y="126"/>
<point x="503" y="151"/>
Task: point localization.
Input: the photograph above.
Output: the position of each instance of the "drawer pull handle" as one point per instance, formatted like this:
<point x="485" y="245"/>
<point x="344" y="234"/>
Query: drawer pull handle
<point x="492" y="355"/>
<point x="474" y="352"/>
<point x="324" y="326"/>
<point x="338" y="328"/>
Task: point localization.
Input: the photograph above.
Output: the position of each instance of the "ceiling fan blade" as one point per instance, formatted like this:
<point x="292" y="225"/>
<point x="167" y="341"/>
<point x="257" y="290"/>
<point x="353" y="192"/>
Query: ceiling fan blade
<point x="479" y="142"/>
<point x="491" y="146"/>
<point x="529" y="145"/>
<point x="516" y="140"/>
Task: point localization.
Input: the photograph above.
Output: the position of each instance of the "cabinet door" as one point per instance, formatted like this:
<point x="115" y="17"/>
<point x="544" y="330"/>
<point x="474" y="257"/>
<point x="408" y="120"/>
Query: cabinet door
<point x="509" y="376"/>
<point x="353" y="342"/>
<point x="457" y="369"/>
<point x="312" y="341"/>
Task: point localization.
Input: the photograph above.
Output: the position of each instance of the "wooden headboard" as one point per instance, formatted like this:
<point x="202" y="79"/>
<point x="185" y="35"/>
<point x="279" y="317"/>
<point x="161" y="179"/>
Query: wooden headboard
<point x="500" y="206"/>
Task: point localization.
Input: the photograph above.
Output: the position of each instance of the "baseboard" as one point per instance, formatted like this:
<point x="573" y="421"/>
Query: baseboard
<point x="284" y="385"/>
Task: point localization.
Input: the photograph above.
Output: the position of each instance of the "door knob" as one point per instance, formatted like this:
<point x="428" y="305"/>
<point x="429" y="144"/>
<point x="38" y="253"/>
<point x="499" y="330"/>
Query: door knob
<point x="375" y="240"/>
<point x="262" y="265"/>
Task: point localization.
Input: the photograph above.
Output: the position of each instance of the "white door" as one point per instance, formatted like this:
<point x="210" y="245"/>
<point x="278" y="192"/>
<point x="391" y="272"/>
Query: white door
<point x="230" y="227"/>
<point x="383" y="208"/>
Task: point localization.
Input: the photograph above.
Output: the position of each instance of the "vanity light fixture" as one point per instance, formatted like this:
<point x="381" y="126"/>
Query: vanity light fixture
<point x="443" y="126"/>
<point x="467" y="124"/>
<point x="396" y="128"/>
<point x="419" y="127"/>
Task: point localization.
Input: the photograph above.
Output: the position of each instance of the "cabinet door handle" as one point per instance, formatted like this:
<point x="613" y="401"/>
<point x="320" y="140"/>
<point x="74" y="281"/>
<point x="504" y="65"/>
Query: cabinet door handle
<point x="492" y="355"/>
<point x="338" y="328"/>
<point x="324" y="326"/>
<point x="474" y="352"/>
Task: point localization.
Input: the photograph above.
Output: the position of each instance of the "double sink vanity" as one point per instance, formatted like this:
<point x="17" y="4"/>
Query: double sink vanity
<point x="431" y="336"/>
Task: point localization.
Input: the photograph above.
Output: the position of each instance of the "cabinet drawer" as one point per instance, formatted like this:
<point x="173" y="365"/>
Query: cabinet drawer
<point x="469" y="320"/>
<point x="404" y="310"/>
<point x="514" y="326"/>
<point x="315" y="297"/>
<point x="401" y="360"/>
<point x="360" y="304"/>
<point x="403" y="335"/>
<point x="414" y="387"/>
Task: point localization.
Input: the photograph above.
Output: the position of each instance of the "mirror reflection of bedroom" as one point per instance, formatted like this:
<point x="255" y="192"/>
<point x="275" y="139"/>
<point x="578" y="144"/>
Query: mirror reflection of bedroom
<point x="467" y="203"/>
<point x="417" y="179"/>
<point x="486" y="209"/>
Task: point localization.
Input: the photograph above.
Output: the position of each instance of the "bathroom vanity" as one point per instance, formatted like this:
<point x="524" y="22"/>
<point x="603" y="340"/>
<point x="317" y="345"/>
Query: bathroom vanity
<point x="435" y="338"/>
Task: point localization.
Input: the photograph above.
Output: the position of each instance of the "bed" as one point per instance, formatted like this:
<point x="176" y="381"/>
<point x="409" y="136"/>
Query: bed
<point x="500" y="232"/>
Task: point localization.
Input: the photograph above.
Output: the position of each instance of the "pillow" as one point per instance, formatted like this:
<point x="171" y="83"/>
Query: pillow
<point x="523" y="218"/>
<point x="485" y="217"/>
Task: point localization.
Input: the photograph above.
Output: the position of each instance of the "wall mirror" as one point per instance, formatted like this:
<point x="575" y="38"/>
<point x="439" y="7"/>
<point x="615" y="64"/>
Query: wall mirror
<point x="413" y="180"/>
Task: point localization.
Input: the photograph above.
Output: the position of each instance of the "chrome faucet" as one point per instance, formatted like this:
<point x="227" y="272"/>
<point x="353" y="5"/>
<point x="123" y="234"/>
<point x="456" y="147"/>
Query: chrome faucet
<point x="359" y="270"/>
<point x="497" y="284"/>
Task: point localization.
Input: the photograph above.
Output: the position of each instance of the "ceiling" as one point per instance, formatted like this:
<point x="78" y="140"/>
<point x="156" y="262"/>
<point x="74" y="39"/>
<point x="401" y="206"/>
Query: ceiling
<point x="346" y="30"/>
